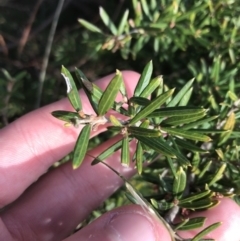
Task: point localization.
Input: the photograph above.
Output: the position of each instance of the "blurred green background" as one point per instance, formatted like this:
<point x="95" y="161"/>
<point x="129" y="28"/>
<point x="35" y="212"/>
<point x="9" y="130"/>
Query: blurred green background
<point x="185" y="39"/>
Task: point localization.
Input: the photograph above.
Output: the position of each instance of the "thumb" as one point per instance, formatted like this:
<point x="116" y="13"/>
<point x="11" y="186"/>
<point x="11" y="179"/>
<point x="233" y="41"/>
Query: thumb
<point x="123" y="224"/>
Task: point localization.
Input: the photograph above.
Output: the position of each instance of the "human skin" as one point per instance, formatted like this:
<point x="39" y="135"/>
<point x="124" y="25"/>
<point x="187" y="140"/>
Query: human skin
<point x="47" y="205"/>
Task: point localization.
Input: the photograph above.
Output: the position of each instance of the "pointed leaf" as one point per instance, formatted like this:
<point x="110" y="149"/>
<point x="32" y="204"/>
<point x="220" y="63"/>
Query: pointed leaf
<point x="189" y="146"/>
<point x="145" y="8"/>
<point x="177" y="111"/>
<point x="193" y="223"/>
<point x="179" y="120"/>
<point x="204" y="169"/>
<point x="230" y="122"/>
<point x="107" y="21"/>
<point x="139" y="131"/>
<point x="151" y="87"/>
<point x="67" y="116"/>
<point x="115" y="128"/>
<point x="186" y="134"/>
<point x="81" y="146"/>
<point x="123" y="22"/>
<point x="179" y="183"/>
<point x="139" y="101"/>
<point x="180" y="94"/>
<point x="200" y="204"/>
<point x="89" y="26"/>
<point x="93" y="92"/>
<point x="195" y="196"/>
<point x="108" y="152"/>
<point x="139" y="157"/>
<point x="153" y="105"/>
<point x="157" y="144"/>
<point x="218" y="175"/>
<point x="108" y="97"/>
<point x="72" y="91"/>
<point x="206" y="231"/>
<point x="125" y="154"/>
<point x="144" y="79"/>
<point x="185" y="99"/>
<point x="199" y="122"/>
<point x="114" y="120"/>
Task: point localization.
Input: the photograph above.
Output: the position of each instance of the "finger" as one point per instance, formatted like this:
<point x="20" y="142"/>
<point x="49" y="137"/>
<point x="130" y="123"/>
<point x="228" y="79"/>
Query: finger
<point x="61" y="199"/>
<point x="123" y="224"/>
<point x="31" y="144"/>
<point x="227" y="212"/>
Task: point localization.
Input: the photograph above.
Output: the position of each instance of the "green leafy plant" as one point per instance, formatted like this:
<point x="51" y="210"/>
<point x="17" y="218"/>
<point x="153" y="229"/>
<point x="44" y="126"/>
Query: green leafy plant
<point x="168" y="131"/>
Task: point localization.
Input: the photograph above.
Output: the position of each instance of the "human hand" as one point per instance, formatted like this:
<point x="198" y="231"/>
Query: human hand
<point x="47" y="206"/>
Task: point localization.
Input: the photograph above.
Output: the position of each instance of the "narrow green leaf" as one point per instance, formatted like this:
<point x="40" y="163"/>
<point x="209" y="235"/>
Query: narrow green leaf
<point x="218" y="175"/>
<point x="199" y="122"/>
<point x="180" y="94"/>
<point x="107" y="21"/>
<point x="144" y="79"/>
<point x="161" y="205"/>
<point x="92" y="91"/>
<point x="81" y="146"/>
<point x="123" y="22"/>
<point x="179" y="120"/>
<point x="186" y="134"/>
<point x="189" y="146"/>
<point x="193" y="223"/>
<point x="210" y="131"/>
<point x="123" y="111"/>
<point x="108" y="97"/>
<point x="151" y="106"/>
<point x="215" y="73"/>
<point x="139" y="131"/>
<point x="123" y="91"/>
<point x="115" y="128"/>
<point x="204" y="169"/>
<point x="151" y="87"/>
<point x="83" y="80"/>
<point x="145" y="8"/>
<point x="90" y="87"/>
<point x="125" y="154"/>
<point x="232" y="95"/>
<point x="89" y="26"/>
<point x="185" y="99"/>
<point x="114" y="120"/>
<point x="206" y="231"/>
<point x="182" y="159"/>
<point x="157" y="144"/>
<point x="179" y="183"/>
<point x="108" y="152"/>
<point x="139" y="157"/>
<point x="67" y="116"/>
<point x="200" y="204"/>
<point x="177" y="111"/>
<point x="145" y="124"/>
<point x="139" y="101"/>
<point x="195" y="196"/>
<point x="72" y="91"/>
<point x="171" y="165"/>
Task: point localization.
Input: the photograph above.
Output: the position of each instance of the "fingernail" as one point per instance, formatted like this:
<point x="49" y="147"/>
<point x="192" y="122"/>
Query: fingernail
<point x="131" y="226"/>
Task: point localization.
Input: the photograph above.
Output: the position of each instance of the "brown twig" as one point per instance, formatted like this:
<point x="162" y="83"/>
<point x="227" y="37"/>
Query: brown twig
<point x="48" y="50"/>
<point x="28" y="28"/>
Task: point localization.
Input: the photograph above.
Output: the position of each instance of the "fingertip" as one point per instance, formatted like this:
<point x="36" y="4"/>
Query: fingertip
<point x="227" y="212"/>
<point x="123" y="224"/>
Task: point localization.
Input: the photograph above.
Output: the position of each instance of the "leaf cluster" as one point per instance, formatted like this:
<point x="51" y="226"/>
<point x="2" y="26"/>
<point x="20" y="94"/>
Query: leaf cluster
<point x="166" y="130"/>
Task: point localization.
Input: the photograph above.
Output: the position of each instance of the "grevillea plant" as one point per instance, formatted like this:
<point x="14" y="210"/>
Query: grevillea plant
<point x="167" y="131"/>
